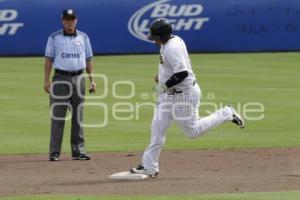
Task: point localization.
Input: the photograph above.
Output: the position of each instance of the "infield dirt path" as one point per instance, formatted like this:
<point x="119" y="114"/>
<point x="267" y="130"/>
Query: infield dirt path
<point x="182" y="172"/>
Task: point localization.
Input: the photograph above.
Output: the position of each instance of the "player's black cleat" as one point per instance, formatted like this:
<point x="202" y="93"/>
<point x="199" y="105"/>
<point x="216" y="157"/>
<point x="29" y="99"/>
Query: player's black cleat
<point x="138" y="168"/>
<point x="141" y="170"/>
<point x="54" y="157"/>
<point x="236" y="118"/>
<point x="81" y="157"/>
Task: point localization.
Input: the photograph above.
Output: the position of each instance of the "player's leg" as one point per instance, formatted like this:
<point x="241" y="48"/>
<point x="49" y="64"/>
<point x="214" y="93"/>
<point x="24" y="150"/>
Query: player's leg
<point x="58" y="106"/>
<point x="190" y="122"/>
<point x="162" y="119"/>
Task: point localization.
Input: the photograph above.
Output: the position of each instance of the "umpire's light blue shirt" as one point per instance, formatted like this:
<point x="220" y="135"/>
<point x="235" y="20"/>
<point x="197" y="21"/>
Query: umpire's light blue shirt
<point x="69" y="52"/>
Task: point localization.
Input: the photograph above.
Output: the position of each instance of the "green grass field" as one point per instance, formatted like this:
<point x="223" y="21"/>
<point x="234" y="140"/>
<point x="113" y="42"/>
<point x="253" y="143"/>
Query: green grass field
<point x="241" y="196"/>
<point x="270" y="79"/>
<point x="266" y="78"/>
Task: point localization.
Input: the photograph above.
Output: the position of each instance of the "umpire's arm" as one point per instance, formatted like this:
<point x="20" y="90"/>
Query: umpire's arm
<point x="89" y="64"/>
<point x="48" y="66"/>
<point x="90" y="72"/>
<point x="49" y="58"/>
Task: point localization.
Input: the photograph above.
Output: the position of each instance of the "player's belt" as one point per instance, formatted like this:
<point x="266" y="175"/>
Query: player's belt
<point x="68" y="73"/>
<point x="174" y="91"/>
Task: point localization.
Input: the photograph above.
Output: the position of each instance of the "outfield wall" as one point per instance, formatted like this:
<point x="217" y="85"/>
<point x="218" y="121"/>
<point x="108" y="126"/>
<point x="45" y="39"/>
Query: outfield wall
<point x="120" y="26"/>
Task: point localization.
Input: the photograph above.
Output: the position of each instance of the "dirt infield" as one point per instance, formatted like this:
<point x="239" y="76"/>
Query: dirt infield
<point x="201" y="171"/>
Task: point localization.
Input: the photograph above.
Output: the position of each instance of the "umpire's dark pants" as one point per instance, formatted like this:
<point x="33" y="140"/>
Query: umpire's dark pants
<point x="64" y="95"/>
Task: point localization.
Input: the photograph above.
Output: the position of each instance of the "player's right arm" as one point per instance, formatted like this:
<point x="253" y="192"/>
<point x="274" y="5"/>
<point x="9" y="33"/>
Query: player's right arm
<point x="156" y="78"/>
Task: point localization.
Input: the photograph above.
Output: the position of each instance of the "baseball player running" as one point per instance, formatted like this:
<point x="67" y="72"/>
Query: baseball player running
<point x="178" y="99"/>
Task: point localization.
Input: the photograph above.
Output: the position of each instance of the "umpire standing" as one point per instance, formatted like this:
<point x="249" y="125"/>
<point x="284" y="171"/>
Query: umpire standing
<point x="69" y="51"/>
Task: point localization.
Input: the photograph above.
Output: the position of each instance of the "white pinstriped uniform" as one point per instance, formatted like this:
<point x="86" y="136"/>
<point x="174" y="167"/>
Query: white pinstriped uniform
<point x="182" y="108"/>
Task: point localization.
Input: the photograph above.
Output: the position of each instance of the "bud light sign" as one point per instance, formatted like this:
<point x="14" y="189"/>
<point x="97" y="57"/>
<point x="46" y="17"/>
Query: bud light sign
<point x="121" y="27"/>
<point x="183" y="17"/>
<point x="8" y="24"/>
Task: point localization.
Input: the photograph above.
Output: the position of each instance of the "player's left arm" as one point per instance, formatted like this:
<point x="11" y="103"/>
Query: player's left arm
<point x="176" y="78"/>
<point x="172" y="81"/>
<point x="178" y="62"/>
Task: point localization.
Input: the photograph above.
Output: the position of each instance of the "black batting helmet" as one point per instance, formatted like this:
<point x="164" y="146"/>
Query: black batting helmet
<point x="160" y="29"/>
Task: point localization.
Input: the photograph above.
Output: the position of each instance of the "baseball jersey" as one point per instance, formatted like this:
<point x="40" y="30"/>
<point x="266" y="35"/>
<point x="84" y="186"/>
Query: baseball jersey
<point x="69" y="52"/>
<point x="174" y="58"/>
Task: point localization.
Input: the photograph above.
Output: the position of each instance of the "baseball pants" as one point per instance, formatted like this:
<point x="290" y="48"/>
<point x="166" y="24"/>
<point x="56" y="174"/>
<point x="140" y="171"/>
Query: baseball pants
<point x="64" y="95"/>
<point x="182" y="108"/>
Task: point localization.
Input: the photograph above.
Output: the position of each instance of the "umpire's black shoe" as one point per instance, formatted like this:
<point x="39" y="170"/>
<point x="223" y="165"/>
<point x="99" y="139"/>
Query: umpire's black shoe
<point x="54" y="157"/>
<point x="81" y="157"/>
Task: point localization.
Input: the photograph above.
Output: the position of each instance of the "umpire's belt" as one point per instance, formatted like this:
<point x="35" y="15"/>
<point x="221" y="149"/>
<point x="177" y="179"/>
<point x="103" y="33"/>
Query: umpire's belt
<point x="68" y="73"/>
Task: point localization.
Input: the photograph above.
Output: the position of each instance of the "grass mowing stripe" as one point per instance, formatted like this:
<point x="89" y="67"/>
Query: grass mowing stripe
<point x="293" y="195"/>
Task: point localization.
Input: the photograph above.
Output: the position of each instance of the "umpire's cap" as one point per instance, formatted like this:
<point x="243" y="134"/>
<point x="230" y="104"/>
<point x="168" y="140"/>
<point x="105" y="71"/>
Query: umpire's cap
<point x="160" y="29"/>
<point x="69" y="14"/>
